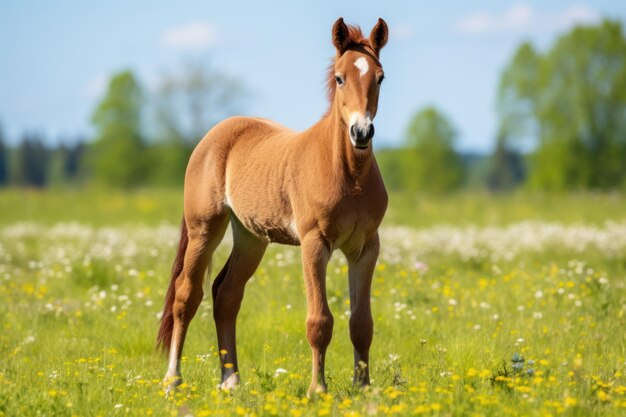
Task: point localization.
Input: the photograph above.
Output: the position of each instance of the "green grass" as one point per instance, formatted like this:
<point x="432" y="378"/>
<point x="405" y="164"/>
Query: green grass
<point x="152" y="206"/>
<point x="453" y="307"/>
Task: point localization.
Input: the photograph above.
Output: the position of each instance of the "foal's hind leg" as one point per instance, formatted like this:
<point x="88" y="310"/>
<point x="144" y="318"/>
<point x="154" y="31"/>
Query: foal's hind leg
<point x="228" y="291"/>
<point x="203" y="239"/>
<point x="361" y="269"/>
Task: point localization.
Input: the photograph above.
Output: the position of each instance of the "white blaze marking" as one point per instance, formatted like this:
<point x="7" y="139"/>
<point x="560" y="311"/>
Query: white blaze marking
<point x="362" y="65"/>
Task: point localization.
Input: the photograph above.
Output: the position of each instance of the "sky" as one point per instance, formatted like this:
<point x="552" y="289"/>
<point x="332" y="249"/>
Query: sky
<point x="57" y="56"/>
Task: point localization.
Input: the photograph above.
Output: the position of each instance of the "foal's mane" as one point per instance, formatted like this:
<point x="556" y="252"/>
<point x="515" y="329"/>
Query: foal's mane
<point x="356" y="40"/>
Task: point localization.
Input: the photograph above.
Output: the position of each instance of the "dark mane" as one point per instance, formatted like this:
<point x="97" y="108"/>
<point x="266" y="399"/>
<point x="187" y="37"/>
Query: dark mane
<point x="356" y="41"/>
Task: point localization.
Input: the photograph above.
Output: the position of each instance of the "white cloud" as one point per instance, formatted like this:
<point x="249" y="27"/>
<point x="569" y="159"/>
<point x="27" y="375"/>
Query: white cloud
<point x="402" y="31"/>
<point x="194" y="35"/>
<point x="577" y="15"/>
<point x="514" y="19"/>
<point x="96" y="87"/>
<point x="522" y="18"/>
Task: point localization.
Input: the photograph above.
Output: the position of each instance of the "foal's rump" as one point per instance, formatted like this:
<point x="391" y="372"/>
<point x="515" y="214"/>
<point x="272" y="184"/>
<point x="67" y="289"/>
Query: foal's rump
<point x="244" y="165"/>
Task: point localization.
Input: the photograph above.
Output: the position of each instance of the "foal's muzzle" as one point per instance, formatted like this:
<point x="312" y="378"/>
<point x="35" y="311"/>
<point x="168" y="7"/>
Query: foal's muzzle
<point x="361" y="134"/>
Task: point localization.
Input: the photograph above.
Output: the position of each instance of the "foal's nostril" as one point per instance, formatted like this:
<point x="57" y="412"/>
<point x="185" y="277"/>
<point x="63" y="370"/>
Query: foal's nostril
<point x="353" y="133"/>
<point x="370" y="132"/>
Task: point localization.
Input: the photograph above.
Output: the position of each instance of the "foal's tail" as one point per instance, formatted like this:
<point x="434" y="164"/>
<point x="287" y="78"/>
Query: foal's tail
<point x="164" y="338"/>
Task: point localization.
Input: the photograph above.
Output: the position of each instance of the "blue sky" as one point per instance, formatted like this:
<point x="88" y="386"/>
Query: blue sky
<point x="57" y="55"/>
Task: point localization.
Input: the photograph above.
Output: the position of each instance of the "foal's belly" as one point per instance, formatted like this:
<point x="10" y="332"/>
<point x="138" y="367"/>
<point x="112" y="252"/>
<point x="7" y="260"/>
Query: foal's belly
<point x="271" y="231"/>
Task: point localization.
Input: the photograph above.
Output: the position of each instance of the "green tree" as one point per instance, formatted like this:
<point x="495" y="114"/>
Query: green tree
<point x="32" y="159"/>
<point x="56" y="167"/>
<point x="394" y="164"/>
<point x="187" y="104"/>
<point x="506" y="167"/>
<point x="572" y="101"/>
<point x="65" y="161"/>
<point x="4" y="160"/>
<point x="431" y="161"/>
<point x="118" y="156"/>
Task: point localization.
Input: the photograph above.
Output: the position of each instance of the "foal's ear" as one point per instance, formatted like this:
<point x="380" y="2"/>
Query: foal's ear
<point x="341" y="37"/>
<point x="379" y="35"/>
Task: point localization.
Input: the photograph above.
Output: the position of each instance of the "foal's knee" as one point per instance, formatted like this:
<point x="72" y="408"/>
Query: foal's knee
<point x="319" y="330"/>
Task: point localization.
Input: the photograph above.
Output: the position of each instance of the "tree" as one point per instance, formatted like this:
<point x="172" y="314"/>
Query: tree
<point x="433" y="165"/>
<point x="572" y="100"/>
<point x="118" y="156"/>
<point x="506" y="167"/>
<point x="188" y="103"/>
<point x="65" y="162"/>
<point x="4" y="161"/>
<point x="32" y="162"/>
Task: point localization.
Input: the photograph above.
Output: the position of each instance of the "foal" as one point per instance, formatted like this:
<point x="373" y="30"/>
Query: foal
<point x="320" y="189"/>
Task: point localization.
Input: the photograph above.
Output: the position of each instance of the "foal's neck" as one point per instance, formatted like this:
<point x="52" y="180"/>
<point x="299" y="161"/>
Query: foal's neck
<point x="352" y="164"/>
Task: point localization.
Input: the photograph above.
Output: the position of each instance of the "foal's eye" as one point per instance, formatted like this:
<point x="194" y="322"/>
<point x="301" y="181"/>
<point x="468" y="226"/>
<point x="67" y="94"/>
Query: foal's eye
<point x="380" y="80"/>
<point x="339" y="80"/>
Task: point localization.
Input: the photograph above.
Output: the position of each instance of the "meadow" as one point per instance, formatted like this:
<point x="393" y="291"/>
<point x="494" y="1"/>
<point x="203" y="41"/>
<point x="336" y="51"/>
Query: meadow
<point x="483" y="305"/>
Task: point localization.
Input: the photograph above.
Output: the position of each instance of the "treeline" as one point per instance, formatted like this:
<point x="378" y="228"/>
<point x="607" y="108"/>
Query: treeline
<point x="34" y="164"/>
<point x="140" y="137"/>
<point x="565" y="107"/>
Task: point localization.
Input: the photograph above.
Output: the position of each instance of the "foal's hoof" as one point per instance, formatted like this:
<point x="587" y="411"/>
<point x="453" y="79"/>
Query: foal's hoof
<point x="170" y="383"/>
<point x="230" y="383"/>
<point x="315" y="390"/>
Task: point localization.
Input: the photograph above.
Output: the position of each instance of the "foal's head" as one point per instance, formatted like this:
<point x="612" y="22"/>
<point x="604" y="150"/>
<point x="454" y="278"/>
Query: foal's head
<point x="355" y="76"/>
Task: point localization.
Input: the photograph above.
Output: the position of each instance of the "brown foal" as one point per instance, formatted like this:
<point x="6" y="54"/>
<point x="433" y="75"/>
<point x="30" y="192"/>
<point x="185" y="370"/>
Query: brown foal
<point x="320" y="189"/>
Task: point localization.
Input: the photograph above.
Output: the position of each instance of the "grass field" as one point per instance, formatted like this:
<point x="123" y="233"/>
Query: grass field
<point x="483" y="305"/>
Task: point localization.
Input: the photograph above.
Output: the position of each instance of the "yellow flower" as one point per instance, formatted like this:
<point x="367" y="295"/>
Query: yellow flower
<point x="603" y="396"/>
<point x="570" y="401"/>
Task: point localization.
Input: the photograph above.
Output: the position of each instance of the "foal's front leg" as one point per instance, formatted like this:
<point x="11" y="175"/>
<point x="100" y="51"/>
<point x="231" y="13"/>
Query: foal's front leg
<point x="319" y="322"/>
<point x="361" y="268"/>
